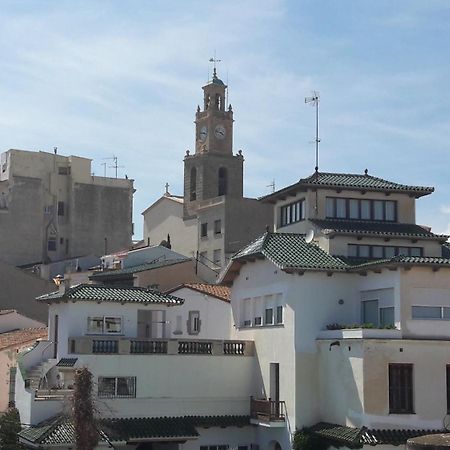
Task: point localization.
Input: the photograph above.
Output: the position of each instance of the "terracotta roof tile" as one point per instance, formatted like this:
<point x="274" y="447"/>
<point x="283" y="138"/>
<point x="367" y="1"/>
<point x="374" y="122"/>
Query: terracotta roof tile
<point x="17" y="338"/>
<point x="216" y="290"/>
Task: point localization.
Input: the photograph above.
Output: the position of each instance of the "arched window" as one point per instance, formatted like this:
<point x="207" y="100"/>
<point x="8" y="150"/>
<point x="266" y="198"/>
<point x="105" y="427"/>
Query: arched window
<point x="193" y="186"/>
<point x="222" y="185"/>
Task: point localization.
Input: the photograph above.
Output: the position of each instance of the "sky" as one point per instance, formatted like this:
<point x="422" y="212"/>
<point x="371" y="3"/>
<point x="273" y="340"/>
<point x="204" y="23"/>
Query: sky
<point x="99" y="78"/>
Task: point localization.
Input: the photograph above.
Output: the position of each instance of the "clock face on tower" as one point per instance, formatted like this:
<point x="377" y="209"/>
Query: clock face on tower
<point x="219" y="132"/>
<point x="203" y="133"/>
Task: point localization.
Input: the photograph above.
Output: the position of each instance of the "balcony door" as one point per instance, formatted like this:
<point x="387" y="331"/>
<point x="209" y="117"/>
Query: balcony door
<point x="151" y="324"/>
<point x="275" y="382"/>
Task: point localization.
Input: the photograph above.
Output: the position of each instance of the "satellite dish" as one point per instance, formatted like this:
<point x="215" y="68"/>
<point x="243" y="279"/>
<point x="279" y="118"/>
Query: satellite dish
<point x="309" y="236"/>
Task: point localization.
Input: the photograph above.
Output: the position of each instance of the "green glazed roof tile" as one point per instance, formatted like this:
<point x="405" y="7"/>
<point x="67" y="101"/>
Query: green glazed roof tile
<point x="60" y="430"/>
<point x="349" y="181"/>
<point x="358" y="437"/>
<point x="368" y="227"/>
<point x="290" y="251"/>
<point x="446" y="250"/>
<point x="100" y="292"/>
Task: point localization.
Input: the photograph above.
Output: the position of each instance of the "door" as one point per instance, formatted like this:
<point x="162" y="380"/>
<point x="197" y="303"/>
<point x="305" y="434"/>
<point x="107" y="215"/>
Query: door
<point x="151" y="324"/>
<point x="274" y="390"/>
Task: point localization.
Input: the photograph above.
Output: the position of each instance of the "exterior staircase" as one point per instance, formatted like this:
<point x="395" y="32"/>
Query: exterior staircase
<point x="35" y="378"/>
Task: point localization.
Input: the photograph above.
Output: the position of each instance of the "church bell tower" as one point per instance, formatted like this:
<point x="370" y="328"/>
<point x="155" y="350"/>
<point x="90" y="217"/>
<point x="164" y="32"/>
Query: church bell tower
<point x="213" y="171"/>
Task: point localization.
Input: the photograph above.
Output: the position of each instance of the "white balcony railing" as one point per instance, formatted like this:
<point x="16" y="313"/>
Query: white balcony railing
<point x="110" y="345"/>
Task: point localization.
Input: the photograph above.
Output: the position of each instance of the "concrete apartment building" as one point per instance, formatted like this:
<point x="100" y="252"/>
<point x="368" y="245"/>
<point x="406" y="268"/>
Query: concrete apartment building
<point x="53" y="208"/>
<point x="209" y="219"/>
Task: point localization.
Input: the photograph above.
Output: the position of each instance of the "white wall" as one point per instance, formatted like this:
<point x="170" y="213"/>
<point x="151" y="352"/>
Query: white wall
<point x="73" y="318"/>
<point x="215" y="315"/>
<point x="164" y="217"/>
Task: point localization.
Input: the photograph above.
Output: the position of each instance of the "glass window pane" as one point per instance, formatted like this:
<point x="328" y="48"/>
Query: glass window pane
<point x="370" y="312"/>
<point x="377" y="251"/>
<point x="446" y="312"/>
<point x="426" y="312"/>
<point x="365" y="209"/>
<point x="403" y="251"/>
<point x="353" y="209"/>
<point x="95" y="325"/>
<point x="364" y="251"/>
<point x="279" y="314"/>
<point x="416" y="251"/>
<point x="269" y="316"/>
<point x="389" y="252"/>
<point x="378" y="210"/>
<point x="125" y="386"/>
<point x="106" y="387"/>
<point x="352" y="250"/>
<point x="113" y="324"/>
<point x="387" y="316"/>
<point x="302" y="209"/>
<point x="341" y="212"/>
<point x="390" y="210"/>
<point x="330" y="207"/>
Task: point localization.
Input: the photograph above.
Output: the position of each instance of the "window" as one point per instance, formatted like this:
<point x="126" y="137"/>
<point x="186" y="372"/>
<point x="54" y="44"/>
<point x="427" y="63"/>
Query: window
<point x="292" y="213"/>
<point x="431" y="312"/>
<point x="217" y="226"/>
<point x="60" y="208"/>
<point x="370" y="312"/>
<point x="387" y="316"/>
<point x="258" y="321"/>
<point x="352" y="208"/>
<point x="64" y="170"/>
<point x="279" y="316"/>
<point x="381" y="251"/>
<point x="401" y="389"/>
<point x="104" y="325"/>
<point x="217" y="257"/>
<point x="222" y="183"/>
<point x="268" y="317"/>
<point x="51" y="244"/>
<point x="204" y="229"/>
<point x="193" y="185"/>
<point x="117" y="387"/>
<point x="194" y="322"/>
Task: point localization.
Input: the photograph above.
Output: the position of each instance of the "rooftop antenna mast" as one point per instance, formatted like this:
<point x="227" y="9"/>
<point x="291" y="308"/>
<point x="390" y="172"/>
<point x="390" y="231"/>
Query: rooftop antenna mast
<point x="272" y="186"/>
<point x="114" y="166"/>
<point x="314" y="101"/>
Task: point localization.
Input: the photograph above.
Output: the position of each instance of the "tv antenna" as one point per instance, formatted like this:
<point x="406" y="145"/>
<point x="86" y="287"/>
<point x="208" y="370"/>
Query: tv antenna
<point x="114" y="166"/>
<point x="272" y="186"/>
<point x="314" y="101"/>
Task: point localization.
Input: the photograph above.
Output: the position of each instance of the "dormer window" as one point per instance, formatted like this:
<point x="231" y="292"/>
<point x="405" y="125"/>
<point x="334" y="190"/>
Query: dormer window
<point x="357" y="209"/>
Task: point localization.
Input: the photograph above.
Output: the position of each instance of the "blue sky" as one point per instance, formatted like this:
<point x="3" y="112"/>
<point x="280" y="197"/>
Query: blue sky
<point x="102" y="78"/>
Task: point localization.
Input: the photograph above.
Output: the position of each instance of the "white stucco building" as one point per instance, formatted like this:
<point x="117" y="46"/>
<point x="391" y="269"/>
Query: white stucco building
<point x="172" y="380"/>
<point x="338" y="323"/>
<point x="347" y="306"/>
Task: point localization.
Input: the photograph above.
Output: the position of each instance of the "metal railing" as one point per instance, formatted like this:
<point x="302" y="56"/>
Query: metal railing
<point x="267" y="410"/>
<point x="147" y="347"/>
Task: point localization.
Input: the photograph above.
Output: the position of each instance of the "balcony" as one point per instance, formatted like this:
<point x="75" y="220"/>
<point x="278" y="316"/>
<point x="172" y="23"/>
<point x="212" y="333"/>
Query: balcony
<point x="89" y="345"/>
<point x="267" y="412"/>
